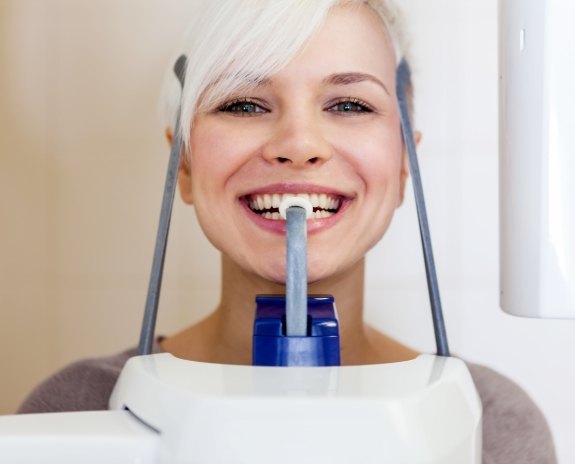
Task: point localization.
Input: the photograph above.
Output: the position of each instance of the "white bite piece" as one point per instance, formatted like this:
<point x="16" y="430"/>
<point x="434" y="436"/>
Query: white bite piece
<point x="295" y="201"/>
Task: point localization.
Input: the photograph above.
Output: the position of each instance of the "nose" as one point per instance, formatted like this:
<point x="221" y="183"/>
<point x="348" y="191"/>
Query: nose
<point x="299" y="141"/>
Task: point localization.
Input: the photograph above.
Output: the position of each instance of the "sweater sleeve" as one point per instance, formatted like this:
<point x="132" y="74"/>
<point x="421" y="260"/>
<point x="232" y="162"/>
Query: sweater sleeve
<point x="514" y="429"/>
<point x="82" y="386"/>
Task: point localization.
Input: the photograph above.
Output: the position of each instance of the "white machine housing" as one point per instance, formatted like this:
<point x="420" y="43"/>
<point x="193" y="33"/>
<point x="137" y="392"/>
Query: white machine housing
<point x="171" y="411"/>
<point x="537" y="158"/>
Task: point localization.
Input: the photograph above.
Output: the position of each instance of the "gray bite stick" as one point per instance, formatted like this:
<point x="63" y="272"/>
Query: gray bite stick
<point x="296" y="210"/>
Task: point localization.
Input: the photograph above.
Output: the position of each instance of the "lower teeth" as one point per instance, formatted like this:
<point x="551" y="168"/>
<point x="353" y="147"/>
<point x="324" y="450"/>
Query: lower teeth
<point x="274" y="216"/>
<point x="315" y="215"/>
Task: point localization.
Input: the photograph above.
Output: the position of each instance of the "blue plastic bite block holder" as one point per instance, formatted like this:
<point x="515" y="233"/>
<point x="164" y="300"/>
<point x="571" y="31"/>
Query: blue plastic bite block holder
<point x="271" y="346"/>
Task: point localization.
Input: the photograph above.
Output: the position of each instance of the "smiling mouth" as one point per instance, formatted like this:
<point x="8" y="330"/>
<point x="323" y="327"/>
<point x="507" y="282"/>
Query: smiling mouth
<point x="267" y="205"/>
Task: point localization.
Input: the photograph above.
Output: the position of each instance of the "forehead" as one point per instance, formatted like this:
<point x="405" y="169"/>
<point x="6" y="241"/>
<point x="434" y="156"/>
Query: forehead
<point x="353" y="39"/>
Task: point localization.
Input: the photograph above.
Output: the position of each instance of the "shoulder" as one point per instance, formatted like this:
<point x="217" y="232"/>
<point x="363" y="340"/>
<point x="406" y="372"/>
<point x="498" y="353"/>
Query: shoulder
<point x="514" y="429"/>
<point x="82" y="386"/>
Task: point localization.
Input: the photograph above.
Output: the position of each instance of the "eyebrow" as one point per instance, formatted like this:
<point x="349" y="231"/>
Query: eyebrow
<point x="352" y="78"/>
<point x="345" y="78"/>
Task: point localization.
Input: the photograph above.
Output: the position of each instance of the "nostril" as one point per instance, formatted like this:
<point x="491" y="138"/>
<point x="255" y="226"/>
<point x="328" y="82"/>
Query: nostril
<point x="313" y="160"/>
<point x="283" y="160"/>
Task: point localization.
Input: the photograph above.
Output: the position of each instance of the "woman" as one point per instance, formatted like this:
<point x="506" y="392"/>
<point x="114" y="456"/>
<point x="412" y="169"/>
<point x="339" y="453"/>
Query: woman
<point x="295" y="98"/>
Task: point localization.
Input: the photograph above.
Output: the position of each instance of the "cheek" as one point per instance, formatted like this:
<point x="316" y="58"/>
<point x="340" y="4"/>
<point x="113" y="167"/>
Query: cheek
<point x="220" y="151"/>
<point x="208" y="151"/>
<point x="209" y="173"/>
<point x="378" y="162"/>
<point x="373" y="144"/>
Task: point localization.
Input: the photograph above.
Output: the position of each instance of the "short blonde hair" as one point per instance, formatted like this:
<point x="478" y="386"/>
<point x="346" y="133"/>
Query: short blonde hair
<point x="233" y="44"/>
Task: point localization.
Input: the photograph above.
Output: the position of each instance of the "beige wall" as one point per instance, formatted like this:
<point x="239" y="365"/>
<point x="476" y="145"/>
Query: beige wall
<point x="24" y="236"/>
<point x="82" y="162"/>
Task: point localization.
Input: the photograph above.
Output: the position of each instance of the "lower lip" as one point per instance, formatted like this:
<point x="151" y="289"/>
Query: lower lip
<point x="314" y="226"/>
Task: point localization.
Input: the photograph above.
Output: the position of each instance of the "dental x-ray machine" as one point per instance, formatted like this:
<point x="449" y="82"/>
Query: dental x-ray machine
<point x="296" y="404"/>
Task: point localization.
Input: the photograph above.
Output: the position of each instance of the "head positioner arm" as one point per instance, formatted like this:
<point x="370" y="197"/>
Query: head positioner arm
<point x="403" y="80"/>
<point x="153" y="298"/>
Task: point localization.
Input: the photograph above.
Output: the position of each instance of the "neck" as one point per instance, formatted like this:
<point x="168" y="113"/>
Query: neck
<point x="226" y="335"/>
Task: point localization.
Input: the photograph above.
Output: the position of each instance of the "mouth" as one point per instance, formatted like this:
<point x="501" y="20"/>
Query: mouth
<point x="267" y="205"/>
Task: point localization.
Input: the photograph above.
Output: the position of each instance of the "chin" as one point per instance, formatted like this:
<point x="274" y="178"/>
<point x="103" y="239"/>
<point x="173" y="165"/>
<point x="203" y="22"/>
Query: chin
<point x="320" y="269"/>
<point x="275" y="274"/>
<point x="278" y="275"/>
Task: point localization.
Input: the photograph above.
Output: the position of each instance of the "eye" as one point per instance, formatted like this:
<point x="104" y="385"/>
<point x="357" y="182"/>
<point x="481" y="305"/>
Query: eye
<point x="242" y="107"/>
<point x="350" y="105"/>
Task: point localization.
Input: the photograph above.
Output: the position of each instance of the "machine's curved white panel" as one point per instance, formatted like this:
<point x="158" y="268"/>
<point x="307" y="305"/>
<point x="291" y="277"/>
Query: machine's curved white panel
<point x="424" y="411"/>
<point x="537" y="159"/>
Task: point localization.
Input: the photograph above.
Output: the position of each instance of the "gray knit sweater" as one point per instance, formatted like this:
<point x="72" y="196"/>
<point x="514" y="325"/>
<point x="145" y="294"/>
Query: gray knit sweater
<point x="514" y="430"/>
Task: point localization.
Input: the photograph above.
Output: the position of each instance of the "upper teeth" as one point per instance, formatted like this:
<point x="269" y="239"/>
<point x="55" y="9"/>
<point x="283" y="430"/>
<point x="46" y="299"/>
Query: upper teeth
<point x="320" y="201"/>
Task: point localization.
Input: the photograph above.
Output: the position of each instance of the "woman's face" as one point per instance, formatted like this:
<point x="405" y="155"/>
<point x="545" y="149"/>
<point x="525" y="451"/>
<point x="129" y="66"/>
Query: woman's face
<point x="327" y="126"/>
